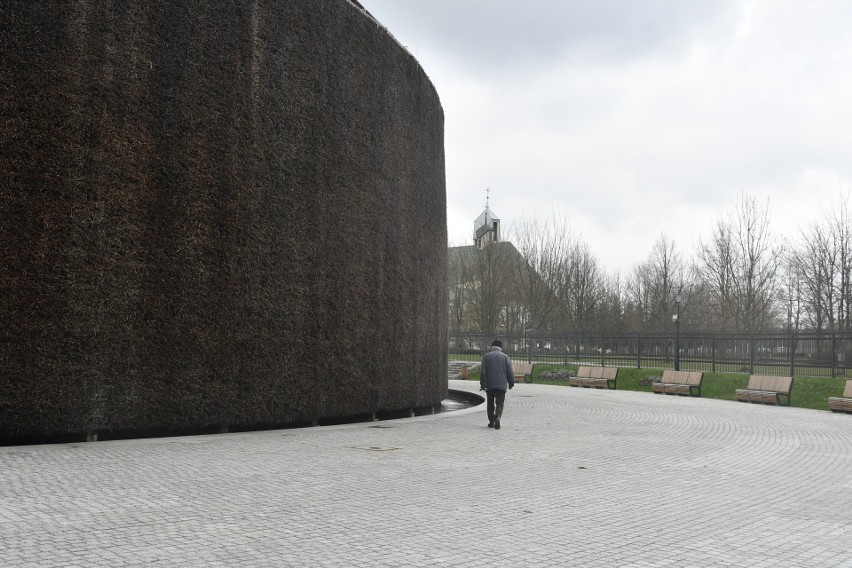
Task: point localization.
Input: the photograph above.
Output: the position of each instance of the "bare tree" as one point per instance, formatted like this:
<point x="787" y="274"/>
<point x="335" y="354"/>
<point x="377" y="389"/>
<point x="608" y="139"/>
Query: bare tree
<point x="842" y="237"/>
<point x="637" y="298"/>
<point x="654" y="284"/>
<point x="822" y="265"/>
<point x="814" y="265"/>
<point x="488" y="283"/>
<point x="700" y="311"/>
<point x="611" y="311"/>
<point x="793" y="294"/>
<point x="739" y="265"/>
<point x="458" y="279"/>
<point x="581" y="286"/>
<point x="544" y="250"/>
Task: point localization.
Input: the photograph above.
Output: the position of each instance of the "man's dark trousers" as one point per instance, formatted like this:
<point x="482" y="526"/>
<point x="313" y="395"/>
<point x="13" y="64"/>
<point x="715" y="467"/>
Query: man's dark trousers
<point x="495" y="396"/>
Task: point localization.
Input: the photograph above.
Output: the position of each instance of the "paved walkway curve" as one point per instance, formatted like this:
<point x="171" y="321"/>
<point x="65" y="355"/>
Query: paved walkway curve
<point x="575" y="477"/>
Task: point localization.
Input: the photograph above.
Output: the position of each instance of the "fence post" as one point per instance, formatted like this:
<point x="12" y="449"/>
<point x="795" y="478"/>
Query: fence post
<point x="713" y="354"/>
<point x="833" y="354"/>
<point x="602" y="351"/>
<point x="526" y="341"/>
<point x="751" y="354"/>
<point x="525" y="345"/>
<point x="792" y="350"/>
<point x="638" y="350"/>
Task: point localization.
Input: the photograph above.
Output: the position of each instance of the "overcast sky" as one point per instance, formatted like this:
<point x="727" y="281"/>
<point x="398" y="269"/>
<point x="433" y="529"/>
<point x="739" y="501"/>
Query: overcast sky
<point x="636" y="118"/>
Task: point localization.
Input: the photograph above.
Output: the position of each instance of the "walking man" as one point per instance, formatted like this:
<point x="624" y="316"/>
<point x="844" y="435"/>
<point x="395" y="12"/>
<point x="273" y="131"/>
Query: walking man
<point x="496" y="377"/>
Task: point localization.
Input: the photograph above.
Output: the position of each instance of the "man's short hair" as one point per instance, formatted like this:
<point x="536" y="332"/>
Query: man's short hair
<point x="497" y="343"/>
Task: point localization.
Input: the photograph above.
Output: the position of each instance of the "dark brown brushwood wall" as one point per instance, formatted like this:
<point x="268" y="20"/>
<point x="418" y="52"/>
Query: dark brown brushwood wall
<point x="219" y="212"/>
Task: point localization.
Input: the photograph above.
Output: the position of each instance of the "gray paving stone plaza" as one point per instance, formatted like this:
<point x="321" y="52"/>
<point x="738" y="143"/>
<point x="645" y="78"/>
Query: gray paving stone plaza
<point x="575" y="477"/>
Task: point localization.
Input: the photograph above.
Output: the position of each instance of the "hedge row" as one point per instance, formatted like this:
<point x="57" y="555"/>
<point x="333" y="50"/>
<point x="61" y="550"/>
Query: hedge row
<point x="215" y="213"/>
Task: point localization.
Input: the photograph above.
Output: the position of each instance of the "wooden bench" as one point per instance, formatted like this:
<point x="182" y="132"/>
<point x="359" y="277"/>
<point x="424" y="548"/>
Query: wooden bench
<point x="522" y="370"/>
<point x="595" y="377"/>
<point x="684" y="383"/>
<point x="842" y="403"/>
<point x="766" y="389"/>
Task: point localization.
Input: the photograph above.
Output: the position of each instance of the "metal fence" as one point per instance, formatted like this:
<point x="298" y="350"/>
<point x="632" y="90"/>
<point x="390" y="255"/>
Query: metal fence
<point x="787" y="354"/>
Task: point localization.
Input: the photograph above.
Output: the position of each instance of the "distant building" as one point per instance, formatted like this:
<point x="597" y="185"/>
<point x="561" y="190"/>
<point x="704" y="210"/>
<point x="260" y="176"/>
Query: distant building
<point x="486" y="228"/>
<point x="487" y="290"/>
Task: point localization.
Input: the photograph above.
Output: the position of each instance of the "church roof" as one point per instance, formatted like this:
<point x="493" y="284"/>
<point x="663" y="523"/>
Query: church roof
<point x="505" y="251"/>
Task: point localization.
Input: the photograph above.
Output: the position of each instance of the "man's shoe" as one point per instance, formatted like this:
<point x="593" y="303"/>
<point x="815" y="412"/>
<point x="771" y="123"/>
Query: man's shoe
<point x="497" y="424"/>
<point x="491" y="425"/>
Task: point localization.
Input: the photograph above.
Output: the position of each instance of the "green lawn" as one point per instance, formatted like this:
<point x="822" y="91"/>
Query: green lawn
<point x="808" y="392"/>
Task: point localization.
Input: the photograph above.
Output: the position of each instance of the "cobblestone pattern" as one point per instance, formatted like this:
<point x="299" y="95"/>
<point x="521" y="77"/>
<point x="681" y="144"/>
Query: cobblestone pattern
<point x="574" y="478"/>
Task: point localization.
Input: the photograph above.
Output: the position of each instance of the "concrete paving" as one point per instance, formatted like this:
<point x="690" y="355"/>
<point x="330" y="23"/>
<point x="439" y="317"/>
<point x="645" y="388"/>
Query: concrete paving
<point x="575" y="477"/>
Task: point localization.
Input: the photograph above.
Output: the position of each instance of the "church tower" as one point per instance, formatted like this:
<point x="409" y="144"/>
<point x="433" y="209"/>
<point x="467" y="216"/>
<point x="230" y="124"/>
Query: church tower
<point x="486" y="228"/>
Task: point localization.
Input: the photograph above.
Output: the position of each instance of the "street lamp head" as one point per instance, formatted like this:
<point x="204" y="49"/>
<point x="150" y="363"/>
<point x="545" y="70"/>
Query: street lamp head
<point x="675" y="318"/>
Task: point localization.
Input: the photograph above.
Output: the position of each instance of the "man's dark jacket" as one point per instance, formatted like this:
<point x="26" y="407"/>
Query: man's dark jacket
<point x="496" y="371"/>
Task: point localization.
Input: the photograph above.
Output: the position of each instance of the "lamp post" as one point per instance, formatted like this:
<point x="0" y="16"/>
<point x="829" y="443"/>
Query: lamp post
<point x="676" y="320"/>
<point x="791" y="347"/>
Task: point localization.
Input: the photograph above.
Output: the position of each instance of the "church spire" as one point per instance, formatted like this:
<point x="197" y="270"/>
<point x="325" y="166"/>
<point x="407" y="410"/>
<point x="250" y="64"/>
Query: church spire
<point x="486" y="228"/>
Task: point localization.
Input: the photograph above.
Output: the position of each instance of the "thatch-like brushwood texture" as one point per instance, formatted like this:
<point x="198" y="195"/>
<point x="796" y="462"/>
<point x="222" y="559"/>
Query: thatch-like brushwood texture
<point x="223" y="212"/>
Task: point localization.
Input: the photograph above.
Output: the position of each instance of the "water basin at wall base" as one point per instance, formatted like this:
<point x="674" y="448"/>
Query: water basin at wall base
<point x="459" y="400"/>
<point x="456" y="400"/>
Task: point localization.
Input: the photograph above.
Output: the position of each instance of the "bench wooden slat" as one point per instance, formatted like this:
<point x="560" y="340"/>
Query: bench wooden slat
<point x="782" y="384"/>
<point x="521" y="370"/>
<point x="767" y="397"/>
<point x="842" y="403"/>
<point x="695" y="378"/>
<point x="595" y="377"/>
<point x="766" y="389"/>
<point x="679" y="382"/>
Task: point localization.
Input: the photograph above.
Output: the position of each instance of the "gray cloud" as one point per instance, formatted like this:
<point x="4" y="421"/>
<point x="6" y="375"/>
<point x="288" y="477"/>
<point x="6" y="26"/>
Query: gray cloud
<point x="636" y="118"/>
<point x="489" y="34"/>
